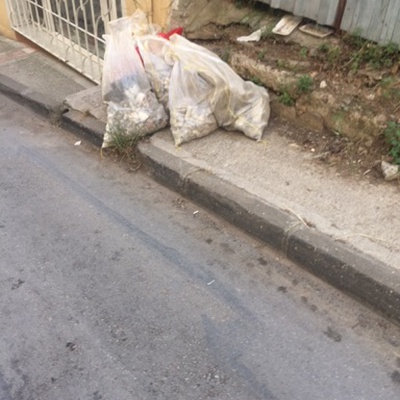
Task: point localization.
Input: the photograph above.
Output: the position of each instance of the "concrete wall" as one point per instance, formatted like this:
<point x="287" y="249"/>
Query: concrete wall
<point x="157" y="10"/>
<point x="196" y="14"/>
<point x="5" y="28"/>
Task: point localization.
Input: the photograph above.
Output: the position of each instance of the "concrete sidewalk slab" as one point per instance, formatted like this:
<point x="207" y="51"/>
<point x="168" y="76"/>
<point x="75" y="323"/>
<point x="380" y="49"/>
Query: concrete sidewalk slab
<point x="356" y="212"/>
<point x="39" y="71"/>
<point x="343" y="230"/>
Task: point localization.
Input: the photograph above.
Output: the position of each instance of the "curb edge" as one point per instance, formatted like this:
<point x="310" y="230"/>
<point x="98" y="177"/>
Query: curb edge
<point x="363" y="277"/>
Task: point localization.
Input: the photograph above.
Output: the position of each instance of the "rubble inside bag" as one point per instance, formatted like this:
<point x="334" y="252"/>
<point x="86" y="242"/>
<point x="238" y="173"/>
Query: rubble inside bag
<point x="236" y="104"/>
<point x="133" y="109"/>
<point x="190" y="111"/>
<point x="242" y="106"/>
<point x="136" y="116"/>
<point x="155" y="55"/>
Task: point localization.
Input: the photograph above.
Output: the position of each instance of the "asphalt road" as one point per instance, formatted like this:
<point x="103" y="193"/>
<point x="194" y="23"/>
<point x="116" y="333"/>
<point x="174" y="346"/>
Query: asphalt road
<point x="112" y="287"/>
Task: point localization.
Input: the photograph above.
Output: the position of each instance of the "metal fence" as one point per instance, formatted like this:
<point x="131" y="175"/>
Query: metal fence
<point x="322" y="11"/>
<point x="69" y="29"/>
<point x="377" y="20"/>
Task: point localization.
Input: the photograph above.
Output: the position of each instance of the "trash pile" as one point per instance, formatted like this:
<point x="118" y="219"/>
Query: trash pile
<point x="152" y="79"/>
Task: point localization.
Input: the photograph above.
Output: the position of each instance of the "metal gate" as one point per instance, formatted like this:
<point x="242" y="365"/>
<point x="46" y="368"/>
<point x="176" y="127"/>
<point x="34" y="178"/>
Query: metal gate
<point x="71" y="30"/>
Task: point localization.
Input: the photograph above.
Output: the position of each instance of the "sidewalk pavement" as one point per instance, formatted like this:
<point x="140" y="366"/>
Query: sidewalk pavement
<point x="343" y="230"/>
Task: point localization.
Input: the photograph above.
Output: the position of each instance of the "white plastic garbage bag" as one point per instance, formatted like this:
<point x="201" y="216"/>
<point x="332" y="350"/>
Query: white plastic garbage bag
<point x="133" y="109"/>
<point x="236" y="104"/>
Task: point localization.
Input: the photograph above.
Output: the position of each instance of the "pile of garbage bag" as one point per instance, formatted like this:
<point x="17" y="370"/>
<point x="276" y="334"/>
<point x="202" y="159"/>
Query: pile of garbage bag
<point x="152" y="79"/>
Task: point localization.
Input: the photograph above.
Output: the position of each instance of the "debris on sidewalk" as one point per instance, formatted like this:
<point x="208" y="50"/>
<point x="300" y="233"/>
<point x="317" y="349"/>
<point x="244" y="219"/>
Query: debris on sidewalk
<point x="149" y="76"/>
<point x="390" y="171"/>
<point x="316" y="30"/>
<point x="254" y="37"/>
<point x="287" y="25"/>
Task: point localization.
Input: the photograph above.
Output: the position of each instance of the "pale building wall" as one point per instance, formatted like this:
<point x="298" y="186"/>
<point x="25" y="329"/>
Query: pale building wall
<point x="157" y="10"/>
<point x="5" y="28"/>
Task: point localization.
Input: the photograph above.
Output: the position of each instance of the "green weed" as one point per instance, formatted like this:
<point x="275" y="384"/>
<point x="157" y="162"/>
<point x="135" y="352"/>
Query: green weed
<point x="286" y="98"/>
<point x="256" y="80"/>
<point x="282" y="64"/>
<point x="122" y="142"/>
<point x="267" y="31"/>
<point x="363" y="51"/>
<point x="303" y="52"/>
<point x="392" y="136"/>
<point x="390" y="88"/>
<point x="289" y="94"/>
<point x="304" y="84"/>
<point x="324" y="48"/>
<point x="261" y="55"/>
<point x="124" y="148"/>
<point x="329" y="53"/>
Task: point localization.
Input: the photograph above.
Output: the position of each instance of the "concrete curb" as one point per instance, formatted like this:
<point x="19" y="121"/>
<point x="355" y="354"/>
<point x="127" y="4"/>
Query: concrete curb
<point x="22" y="94"/>
<point x="354" y="273"/>
<point x="76" y="122"/>
<point x="85" y="126"/>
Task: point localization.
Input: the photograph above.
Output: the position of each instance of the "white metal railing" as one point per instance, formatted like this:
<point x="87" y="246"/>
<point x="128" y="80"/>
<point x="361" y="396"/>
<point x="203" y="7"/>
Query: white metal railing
<point x="71" y="30"/>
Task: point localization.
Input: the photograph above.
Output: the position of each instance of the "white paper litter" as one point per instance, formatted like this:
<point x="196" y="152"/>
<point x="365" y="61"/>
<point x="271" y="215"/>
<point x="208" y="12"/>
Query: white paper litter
<point x="254" y="37"/>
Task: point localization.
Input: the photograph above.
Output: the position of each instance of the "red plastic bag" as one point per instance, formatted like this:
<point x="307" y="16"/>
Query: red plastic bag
<point x="177" y="31"/>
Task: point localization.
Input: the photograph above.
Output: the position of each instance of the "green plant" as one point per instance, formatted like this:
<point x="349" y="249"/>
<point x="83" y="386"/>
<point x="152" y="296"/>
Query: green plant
<point x="286" y="98"/>
<point x="324" y="48"/>
<point x="282" y="64"/>
<point x="122" y="142"/>
<point x="256" y="80"/>
<point x="329" y="53"/>
<point x="261" y="55"/>
<point x="304" y="84"/>
<point x="363" y="51"/>
<point x="355" y="39"/>
<point x="390" y="89"/>
<point x="124" y="148"/>
<point x="304" y="52"/>
<point x="267" y="31"/>
<point x="392" y="136"/>
<point x="334" y="54"/>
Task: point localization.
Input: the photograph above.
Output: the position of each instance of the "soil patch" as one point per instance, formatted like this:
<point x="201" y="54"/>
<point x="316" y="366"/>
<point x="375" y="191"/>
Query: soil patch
<point x="362" y="77"/>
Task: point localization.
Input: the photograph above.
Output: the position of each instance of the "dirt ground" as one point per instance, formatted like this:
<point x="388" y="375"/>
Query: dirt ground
<point x="350" y="67"/>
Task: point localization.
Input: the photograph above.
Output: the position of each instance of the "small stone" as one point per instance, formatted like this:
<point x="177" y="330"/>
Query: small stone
<point x="323" y="85"/>
<point x="390" y="171"/>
